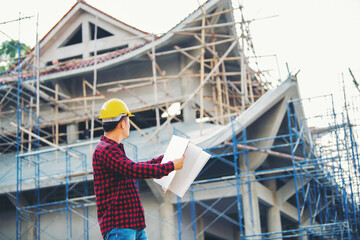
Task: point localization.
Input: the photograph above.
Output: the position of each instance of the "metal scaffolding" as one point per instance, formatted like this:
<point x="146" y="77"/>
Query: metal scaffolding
<point x="325" y="177"/>
<point x="324" y="172"/>
<point x="67" y="199"/>
<point x="321" y="165"/>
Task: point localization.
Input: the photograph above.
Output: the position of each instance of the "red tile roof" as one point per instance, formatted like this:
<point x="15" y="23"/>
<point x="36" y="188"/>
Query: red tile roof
<point x="80" y="63"/>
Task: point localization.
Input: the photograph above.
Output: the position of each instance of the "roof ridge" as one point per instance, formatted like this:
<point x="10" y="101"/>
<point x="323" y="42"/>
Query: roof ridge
<point x="96" y="9"/>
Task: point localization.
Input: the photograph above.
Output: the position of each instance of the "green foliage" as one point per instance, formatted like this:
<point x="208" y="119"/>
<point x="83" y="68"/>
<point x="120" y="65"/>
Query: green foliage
<point x="9" y="53"/>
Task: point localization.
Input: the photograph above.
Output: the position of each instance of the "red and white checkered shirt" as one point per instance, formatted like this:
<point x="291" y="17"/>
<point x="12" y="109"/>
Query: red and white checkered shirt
<point x="117" y="196"/>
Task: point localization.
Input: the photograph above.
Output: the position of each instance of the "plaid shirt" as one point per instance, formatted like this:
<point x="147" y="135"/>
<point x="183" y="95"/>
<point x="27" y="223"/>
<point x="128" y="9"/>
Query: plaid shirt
<point x="117" y="196"/>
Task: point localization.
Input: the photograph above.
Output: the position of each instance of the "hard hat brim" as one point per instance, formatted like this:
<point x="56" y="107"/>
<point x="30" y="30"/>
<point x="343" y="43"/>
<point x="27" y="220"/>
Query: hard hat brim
<point x="115" y="119"/>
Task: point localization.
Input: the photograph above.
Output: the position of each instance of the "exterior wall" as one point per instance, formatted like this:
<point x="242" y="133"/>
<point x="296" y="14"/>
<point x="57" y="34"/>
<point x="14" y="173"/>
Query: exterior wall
<point x="54" y="51"/>
<point x="56" y="225"/>
<point x="8" y="224"/>
<point x="222" y="229"/>
<point x="152" y="216"/>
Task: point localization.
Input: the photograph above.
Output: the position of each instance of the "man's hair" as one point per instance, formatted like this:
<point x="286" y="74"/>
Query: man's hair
<point x="109" y="126"/>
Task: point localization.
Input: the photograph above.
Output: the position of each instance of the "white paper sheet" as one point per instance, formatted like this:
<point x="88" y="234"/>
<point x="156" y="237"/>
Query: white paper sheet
<point x="195" y="160"/>
<point x="175" y="150"/>
<point x="179" y="181"/>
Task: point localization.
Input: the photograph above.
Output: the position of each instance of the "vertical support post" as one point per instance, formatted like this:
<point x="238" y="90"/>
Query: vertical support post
<point x="345" y="199"/>
<point x="192" y="209"/>
<point x="237" y="177"/>
<point x="202" y="70"/>
<point x="226" y="89"/>
<point x="273" y="212"/>
<point x="166" y="212"/>
<point x="18" y="159"/>
<point x="86" y="209"/>
<point x="22" y="124"/>
<point x="56" y="120"/>
<point x="167" y="104"/>
<point x="155" y="86"/>
<point x="37" y="129"/>
<point x="30" y="124"/>
<point x="67" y="183"/>
<point x="56" y="114"/>
<point x="37" y="195"/>
<point x="352" y="147"/>
<point x="220" y="98"/>
<point x="242" y="66"/>
<point x="248" y="76"/>
<point x="94" y="83"/>
<point x="219" y="101"/>
<point x="294" y="167"/>
<point x="179" y="213"/>
<point x="249" y="196"/>
<point x="215" y="105"/>
<point x="37" y="71"/>
<point x="86" y="108"/>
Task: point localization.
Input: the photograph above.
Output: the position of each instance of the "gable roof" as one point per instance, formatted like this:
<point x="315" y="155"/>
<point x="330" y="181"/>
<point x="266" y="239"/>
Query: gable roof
<point x="82" y="4"/>
<point x="75" y="8"/>
<point x="82" y="65"/>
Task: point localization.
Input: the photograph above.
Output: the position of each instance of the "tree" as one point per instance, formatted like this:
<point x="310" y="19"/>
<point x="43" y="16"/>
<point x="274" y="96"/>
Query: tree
<point x="9" y="53"/>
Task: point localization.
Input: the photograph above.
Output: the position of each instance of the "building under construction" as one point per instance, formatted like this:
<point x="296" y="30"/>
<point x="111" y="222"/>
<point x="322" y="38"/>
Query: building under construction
<point x="272" y="175"/>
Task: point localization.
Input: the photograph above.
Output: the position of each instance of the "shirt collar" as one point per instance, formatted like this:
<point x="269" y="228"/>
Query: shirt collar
<point x="110" y="141"/>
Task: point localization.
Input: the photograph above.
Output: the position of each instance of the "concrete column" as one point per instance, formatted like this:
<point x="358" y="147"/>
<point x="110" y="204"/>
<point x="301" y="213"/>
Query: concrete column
<point x="188" y="85"/>
<point x="72" y="133"/>
<point x="274" y="222"/>
<point x="199" y="225"/>
<point x="86" y="37"/>
<point x="236" y="233"/>
<point x="273" y="212"/>
<point x="251" y="207"/>
<point x="28" y="219"/>
<point x="167" y="215"/>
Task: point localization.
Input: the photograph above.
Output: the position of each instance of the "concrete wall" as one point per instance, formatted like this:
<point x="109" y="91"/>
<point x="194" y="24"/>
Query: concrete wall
<point x="8" y="224"/>
<point x="53" y="225"/>
<point x="54" y="50"/>
<point x="56" y="225"/>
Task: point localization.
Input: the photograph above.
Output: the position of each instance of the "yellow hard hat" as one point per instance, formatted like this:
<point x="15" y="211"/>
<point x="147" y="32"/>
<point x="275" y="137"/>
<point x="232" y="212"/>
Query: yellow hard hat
<point x="113" y="110"/>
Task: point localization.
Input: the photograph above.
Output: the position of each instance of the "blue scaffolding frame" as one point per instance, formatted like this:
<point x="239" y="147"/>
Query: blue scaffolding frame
<point x="329" y="197"/>
<point x="328" y="174"/>
<point x="69" y="172"/>
<point x="69" y="162"/>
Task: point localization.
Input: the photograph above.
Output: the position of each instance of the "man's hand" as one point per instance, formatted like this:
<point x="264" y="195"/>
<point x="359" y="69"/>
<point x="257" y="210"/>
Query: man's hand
<point x="178" y="163"/>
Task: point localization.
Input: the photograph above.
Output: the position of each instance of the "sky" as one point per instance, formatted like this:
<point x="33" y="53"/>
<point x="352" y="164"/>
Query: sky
<point x="318" y="38"/>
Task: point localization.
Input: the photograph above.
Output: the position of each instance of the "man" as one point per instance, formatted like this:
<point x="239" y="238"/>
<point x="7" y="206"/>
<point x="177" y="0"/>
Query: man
<point x="119" y="209"/>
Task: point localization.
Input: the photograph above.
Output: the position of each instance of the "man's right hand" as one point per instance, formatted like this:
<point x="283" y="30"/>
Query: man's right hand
<point x="178" y="163"/>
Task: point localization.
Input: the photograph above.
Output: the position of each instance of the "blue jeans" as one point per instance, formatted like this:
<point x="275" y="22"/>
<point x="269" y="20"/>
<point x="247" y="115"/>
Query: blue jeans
<point x="126" y="234"/>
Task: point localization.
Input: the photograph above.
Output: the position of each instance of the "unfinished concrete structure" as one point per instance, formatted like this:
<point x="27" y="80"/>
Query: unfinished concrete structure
<point x="266" y="179"/>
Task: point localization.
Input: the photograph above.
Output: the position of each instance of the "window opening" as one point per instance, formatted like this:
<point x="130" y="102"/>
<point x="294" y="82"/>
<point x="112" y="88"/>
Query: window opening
<point x="101" y="33"/>
<point x="75" y="37"/>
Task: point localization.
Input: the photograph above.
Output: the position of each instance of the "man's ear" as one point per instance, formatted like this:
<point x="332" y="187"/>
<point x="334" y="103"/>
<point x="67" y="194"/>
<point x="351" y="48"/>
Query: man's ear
<point x="122" y="124"/>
